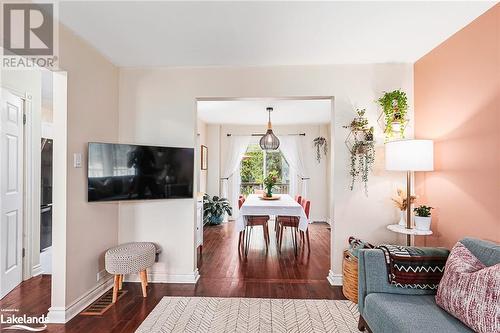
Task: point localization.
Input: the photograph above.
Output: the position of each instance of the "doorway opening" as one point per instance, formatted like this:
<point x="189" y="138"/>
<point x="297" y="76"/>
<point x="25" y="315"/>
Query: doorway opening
<point x="223" y="124"/>
<point x="33" y="124"/>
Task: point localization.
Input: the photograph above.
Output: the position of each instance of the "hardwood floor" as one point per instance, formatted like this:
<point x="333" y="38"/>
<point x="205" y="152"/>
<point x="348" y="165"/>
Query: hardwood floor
<point x="223" y="272"/>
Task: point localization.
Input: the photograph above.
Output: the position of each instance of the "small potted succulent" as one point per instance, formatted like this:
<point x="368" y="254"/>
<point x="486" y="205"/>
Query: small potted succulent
<point x="423" y="217"/>
<point x="215" y="208"/>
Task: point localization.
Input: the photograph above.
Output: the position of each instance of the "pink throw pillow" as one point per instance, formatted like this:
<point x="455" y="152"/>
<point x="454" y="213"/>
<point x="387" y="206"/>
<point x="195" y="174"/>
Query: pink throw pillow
<point x="470" y="291"/>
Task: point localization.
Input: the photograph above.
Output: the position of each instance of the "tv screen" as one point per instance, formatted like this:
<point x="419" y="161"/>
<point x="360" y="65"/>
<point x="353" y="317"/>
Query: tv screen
<point x="132" y="172"/>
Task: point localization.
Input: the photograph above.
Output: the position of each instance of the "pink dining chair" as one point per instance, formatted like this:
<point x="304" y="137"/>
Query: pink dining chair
<point x="253" y="221"/>
<point x="298" y="198"/>
<point x="306" y="204"/>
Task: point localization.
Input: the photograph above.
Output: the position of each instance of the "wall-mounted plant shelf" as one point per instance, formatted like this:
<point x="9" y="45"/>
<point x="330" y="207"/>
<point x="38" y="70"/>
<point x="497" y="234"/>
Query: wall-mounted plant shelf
<point x="393" y="119"/>
<point x="361" y="145"/>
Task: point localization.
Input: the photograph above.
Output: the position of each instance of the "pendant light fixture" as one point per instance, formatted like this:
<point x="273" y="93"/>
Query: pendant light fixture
<point x="269" y="141"/>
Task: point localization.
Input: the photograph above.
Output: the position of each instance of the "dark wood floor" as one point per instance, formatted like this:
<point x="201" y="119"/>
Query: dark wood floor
<point x="223" y="274"/>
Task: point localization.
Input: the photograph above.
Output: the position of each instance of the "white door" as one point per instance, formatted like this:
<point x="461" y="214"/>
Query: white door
<point x="11" y="186"/>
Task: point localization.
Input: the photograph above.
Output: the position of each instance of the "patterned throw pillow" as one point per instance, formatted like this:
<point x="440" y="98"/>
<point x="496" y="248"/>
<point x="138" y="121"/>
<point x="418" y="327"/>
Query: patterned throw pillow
<point x="470" y="291"/>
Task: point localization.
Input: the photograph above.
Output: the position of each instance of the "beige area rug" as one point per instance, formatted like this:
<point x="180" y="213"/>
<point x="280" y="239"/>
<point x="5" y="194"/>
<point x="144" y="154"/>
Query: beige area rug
<point x="210" y="314"/>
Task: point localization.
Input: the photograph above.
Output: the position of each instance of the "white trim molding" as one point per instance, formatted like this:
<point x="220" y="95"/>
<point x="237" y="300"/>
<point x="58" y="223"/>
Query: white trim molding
<point x="164" y="277"/>
<point x="60" y="315"/>
<point x="36" y="270"/>
<point x="334" y="279"/>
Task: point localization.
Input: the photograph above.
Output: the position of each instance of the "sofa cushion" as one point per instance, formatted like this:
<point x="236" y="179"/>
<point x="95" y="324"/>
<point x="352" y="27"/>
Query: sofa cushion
<point x="407" y="313"/>
<point x="487" y="252"/>
<point x="470" y="291"/>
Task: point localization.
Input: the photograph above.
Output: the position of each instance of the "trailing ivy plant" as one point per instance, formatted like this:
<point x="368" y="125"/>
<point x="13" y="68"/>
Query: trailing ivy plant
<point x="320" y="142"/>
<point x="395" y="107"/>
<point x="362" y="160"/>
<point x="362" y="148"/>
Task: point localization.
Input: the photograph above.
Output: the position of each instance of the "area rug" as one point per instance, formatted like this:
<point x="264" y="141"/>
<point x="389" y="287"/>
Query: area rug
<point x="210" y="314"/>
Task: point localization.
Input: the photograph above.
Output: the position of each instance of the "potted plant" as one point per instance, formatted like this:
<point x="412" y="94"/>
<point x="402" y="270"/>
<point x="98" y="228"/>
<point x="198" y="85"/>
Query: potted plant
<point x="361" y="145"/>
<point x="320" y="142"/>
<point x="395" y="108"/>
<point x="269" y="183"/>
<point x="214" y="209"/>
<point x="423" y="217"/>
<point x="369" y="134"/>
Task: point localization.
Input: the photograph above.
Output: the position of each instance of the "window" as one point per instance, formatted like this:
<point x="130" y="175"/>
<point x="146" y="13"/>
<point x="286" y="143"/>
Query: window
<point x="257" y="163"/>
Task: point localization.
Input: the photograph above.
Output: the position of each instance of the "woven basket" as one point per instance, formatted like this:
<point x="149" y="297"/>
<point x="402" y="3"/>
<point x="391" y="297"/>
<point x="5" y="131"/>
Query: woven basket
<point x="350" y="277"/>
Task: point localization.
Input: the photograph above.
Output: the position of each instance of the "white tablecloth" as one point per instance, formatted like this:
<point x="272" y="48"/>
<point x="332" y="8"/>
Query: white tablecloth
<point x="285" y="206"/>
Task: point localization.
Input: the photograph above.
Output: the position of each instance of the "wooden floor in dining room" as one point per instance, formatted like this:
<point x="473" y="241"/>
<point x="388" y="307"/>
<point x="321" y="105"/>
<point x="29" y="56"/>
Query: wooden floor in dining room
<point x="224" y="273"/>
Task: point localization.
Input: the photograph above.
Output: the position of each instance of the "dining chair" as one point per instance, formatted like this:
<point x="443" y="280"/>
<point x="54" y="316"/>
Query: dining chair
<point x="298" y="198"/>
<point x="306" y="204"/>
<point x="252" y="221"/>
<point x="291" y="222"/>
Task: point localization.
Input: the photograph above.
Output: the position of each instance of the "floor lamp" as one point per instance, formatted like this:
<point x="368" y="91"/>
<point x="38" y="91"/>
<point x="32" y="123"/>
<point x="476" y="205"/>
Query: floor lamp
<point x="409" y="156"/>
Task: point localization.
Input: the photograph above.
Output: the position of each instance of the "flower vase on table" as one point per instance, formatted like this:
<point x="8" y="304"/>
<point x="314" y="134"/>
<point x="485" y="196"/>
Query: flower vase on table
<point x="269" y="183"/>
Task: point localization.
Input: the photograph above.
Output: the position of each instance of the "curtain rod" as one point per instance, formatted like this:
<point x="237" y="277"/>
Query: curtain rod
<point x="258" y="134"/>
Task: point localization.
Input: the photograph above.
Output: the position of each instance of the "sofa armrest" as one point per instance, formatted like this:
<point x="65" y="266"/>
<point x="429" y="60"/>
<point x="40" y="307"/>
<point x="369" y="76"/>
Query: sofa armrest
<point x="373" y="278"/>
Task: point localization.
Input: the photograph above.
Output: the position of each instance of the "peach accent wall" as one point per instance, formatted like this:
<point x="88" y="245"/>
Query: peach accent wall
<point x="457" y="104"/>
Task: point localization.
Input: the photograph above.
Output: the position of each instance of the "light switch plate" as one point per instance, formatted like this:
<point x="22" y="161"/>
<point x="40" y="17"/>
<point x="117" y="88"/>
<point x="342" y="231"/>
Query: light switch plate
<point x="77" y="160"/>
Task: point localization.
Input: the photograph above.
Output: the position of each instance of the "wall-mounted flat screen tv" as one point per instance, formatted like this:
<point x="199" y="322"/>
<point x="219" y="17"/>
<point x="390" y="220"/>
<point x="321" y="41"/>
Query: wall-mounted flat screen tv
<point x="132" y="172"/>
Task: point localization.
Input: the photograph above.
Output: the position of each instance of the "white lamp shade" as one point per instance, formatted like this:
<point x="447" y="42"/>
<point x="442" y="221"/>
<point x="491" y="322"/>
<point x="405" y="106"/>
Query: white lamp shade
<point x="409" y="155"/>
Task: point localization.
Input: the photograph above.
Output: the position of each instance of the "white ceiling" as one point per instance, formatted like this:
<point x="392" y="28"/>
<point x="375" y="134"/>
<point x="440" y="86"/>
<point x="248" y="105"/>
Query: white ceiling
<point x="148" y="34"/>
<point x="253" y="112"/>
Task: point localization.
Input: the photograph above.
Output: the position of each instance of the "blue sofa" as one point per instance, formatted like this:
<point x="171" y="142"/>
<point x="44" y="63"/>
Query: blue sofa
<point x="386" y="308"/>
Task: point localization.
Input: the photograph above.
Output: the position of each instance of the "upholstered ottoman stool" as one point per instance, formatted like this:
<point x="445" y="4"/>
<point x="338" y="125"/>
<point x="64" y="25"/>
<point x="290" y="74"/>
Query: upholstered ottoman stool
<point x="129" y="258"/>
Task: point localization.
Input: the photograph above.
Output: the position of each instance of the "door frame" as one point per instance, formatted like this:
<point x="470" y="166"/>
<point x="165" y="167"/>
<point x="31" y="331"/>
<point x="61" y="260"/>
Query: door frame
<point x="332" y="148"/>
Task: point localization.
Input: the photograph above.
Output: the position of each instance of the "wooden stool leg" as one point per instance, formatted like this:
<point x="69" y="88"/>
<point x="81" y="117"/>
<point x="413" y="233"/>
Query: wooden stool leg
<point x="121" y="282"/>
<point x="116" y="286"/>
<point x="144" y="283"/>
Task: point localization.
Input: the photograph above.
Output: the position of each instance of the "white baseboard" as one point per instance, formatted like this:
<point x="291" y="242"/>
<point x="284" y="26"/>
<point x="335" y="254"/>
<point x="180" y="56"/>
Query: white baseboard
<point x="36" y="270"/>
<point x="334" y="279"/>
<point x="60" y="315"/>
<point x="164" y="277"/>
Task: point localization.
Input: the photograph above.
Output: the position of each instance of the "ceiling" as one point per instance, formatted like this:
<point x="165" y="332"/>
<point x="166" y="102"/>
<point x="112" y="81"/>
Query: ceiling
<point x="150" y="34"/>
<point x="253" y="112"/>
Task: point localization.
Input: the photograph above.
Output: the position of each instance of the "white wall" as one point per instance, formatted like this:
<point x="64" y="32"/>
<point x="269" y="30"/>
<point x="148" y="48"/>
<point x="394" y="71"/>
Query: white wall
<point x="92" y="115"/>
<point x="316" y="186"/>
<point x="158" y="106"/>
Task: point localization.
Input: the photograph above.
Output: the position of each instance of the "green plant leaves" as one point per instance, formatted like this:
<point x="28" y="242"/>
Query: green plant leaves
<point x="215" y="207"/>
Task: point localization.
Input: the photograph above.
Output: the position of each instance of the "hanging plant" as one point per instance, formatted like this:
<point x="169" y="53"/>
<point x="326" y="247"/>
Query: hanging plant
<point x="362" y="148"/>
<point x="320" y="143"/>
<point x="395" y="108"/>
<point x="362" y="160"/>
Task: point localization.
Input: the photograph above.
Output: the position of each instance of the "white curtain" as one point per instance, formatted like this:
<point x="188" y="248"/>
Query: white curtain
<point x="237" y="146"/>
<point x="291" y="148"/>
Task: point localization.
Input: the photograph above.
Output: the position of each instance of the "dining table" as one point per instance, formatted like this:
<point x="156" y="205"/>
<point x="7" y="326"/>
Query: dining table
<point x="284" y="205"/>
